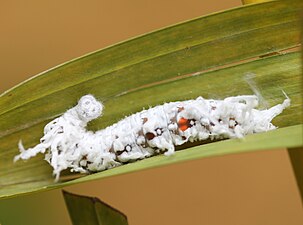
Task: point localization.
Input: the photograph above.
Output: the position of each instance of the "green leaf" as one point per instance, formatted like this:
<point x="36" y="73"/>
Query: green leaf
<point x="253" y="1"/>
<point x="207" y="56"/>
<point x="296" y="158"/>
<point x="88" y="210"/>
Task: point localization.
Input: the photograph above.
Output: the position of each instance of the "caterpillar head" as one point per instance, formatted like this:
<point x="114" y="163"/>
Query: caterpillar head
<point x="89" y="108"/>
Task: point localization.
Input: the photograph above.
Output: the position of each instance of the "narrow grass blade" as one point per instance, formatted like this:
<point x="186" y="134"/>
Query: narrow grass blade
<point x="92" y="211"/>
<point x="253" y="1"/>
<point x="296" y="159"/>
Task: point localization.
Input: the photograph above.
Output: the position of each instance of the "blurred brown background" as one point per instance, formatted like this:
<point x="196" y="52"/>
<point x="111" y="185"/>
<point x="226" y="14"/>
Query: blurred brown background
<point x="253" y="188"/>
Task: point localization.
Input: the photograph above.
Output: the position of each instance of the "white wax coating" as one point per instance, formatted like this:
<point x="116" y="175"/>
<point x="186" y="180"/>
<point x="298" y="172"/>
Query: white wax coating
<point x="68" y="144"/>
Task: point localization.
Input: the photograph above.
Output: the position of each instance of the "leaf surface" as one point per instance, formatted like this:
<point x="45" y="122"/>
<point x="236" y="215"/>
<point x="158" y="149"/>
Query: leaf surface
<point x="207" y="56"/>
<point x="92" y="211"/>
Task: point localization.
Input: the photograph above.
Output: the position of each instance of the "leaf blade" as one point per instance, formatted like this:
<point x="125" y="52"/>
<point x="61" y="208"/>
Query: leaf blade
<point x="90" y="210"/>
<point x="288" y="137"/>
<point x="200" y="74"/>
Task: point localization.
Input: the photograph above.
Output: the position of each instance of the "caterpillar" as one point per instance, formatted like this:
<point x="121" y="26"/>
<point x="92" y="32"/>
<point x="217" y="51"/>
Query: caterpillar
<point x="68" y="144"/>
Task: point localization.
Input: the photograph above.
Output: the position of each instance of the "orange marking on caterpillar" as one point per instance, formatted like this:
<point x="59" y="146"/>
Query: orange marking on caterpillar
<point x="183" y="124"/>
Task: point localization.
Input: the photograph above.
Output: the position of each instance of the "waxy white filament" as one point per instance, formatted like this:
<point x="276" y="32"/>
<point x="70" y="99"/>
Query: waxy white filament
<point x="67" y="144"/>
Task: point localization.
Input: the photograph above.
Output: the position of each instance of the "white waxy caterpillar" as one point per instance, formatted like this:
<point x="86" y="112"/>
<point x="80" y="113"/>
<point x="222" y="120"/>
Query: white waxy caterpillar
<point x="67" y="144"/>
